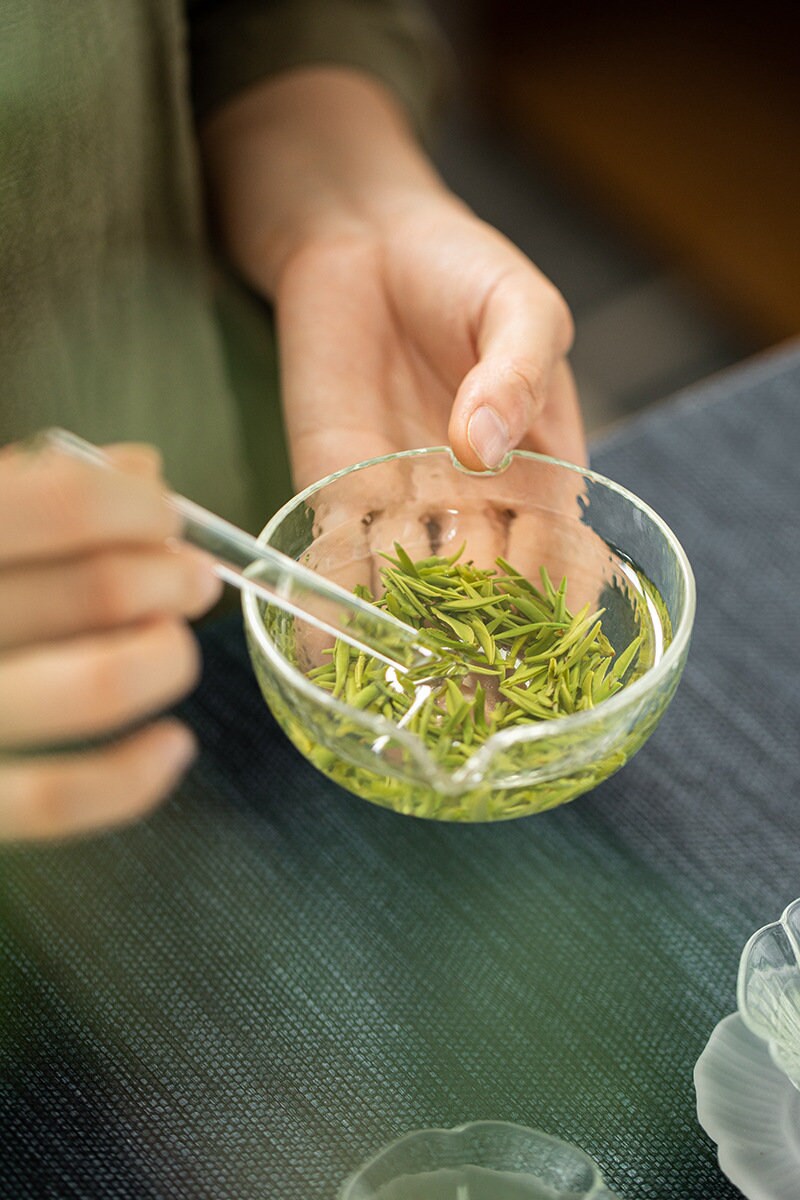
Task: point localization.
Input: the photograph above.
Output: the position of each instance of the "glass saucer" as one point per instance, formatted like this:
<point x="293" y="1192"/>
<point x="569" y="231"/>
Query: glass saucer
<point x="751" y="1110"/>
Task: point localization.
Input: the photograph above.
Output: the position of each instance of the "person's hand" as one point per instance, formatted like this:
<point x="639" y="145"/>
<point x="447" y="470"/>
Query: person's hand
<point x="419" y="327"/>
<point x="404" y="321"/>
<point x="93" y="639"/>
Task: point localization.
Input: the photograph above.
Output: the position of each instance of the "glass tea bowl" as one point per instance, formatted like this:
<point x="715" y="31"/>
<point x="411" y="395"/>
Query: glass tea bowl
<point x="768" y="989"/>
<point x="534" y="511"/>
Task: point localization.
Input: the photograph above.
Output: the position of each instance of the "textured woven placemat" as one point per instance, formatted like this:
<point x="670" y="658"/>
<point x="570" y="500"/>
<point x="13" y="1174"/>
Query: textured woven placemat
<point x="251" y="992"/>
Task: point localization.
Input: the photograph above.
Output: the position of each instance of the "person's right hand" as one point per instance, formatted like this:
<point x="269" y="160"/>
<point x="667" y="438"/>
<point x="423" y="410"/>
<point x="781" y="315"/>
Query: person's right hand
<point x="93" y="638"/>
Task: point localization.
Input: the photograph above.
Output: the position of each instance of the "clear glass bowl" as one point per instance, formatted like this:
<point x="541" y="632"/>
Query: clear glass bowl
<point x="768" y="989"/>
<point x="614" y="550"/>
<point x="486" y="1160"/>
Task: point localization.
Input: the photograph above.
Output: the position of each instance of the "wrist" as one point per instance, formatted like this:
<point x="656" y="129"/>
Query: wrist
<point x="321" y="155"/>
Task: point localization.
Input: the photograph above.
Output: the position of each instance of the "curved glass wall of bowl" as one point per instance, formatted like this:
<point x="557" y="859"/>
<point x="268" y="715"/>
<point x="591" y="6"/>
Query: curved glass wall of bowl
<point x="768" y="989"/>
<point x="484" y="1160"/>
<point x="535" y="512"/>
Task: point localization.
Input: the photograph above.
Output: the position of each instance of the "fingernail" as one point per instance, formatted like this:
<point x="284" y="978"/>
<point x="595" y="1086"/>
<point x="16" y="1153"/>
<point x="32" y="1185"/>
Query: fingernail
<point x="487" y="434"/>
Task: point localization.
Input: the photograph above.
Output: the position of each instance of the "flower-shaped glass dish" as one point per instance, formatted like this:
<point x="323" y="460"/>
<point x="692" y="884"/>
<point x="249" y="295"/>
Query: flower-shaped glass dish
<point x="486" y="1160"/>
<point x="614" y="551"/>
<point x="768" y="989"/>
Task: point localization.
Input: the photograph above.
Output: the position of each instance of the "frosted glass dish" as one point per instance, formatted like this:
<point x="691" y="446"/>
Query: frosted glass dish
<point x="750" y="1109"/>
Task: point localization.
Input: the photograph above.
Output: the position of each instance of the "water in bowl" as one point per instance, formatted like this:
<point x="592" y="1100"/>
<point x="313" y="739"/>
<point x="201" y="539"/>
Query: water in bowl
<point x="350" y="756"/>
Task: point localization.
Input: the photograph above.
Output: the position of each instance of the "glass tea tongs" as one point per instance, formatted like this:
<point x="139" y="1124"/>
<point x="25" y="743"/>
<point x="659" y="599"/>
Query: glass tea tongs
<point x="276" y="578"/>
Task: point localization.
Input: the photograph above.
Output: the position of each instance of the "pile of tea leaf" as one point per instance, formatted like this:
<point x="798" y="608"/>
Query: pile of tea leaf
<point x="512" y="652"/>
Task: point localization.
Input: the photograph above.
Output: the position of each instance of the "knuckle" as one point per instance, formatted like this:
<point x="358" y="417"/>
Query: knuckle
<point x="175" y="654"/>
<point x="528" y="374"/>
<point x="107" y="688"/>
<point x="109" y="591"/>
<point x="562" y="319"/>
<point x="70" y="505"/>
<point x="138" y="458"/>
<point x="147" y="668"/>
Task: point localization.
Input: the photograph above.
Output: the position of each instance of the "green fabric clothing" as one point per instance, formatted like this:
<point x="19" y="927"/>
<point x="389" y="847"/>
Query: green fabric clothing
<point x="113" y="320"/>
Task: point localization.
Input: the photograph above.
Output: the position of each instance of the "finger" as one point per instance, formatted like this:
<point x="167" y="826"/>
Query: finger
<point x="93" y="685"/>
<point x="47" y="601"/>
<point x="441" y="528"/>
<point x="66" y="795"/>
<point x="525" y="329"/>
<point x="333" y="328"/>
<point x="549" y="530"/>
<point x="566" y="548"/>
<point x="340" y="552"/>
<point x="423" y="505"/>
<point x="138" y="458"/>
<point x="560" y="430"/>
<point x="53" y="504"/>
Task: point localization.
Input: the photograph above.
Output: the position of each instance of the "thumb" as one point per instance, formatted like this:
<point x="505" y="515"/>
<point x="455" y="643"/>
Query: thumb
<point x="525" y="332"/>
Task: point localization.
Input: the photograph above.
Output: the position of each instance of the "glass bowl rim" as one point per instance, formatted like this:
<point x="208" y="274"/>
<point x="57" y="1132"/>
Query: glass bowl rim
<point x="744" y="961"/>
<point x="599" y="1185"/>
<point x="476" y="764"/>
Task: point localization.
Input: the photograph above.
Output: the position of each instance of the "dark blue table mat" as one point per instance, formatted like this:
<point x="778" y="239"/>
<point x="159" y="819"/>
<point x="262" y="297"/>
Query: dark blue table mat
<point x="253" y="990"/>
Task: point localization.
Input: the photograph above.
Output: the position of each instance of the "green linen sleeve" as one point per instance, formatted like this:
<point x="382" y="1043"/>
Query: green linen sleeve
<point x="236" y="43"/>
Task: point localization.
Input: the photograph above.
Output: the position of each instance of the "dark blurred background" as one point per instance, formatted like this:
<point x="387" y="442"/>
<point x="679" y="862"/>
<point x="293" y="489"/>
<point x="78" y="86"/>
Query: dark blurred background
<point x="647" y="158"/>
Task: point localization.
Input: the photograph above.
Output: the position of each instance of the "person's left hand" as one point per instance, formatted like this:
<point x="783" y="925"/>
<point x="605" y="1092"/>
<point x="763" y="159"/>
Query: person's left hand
<point x="403" y="320"/>
<point x="425" y="327"/>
